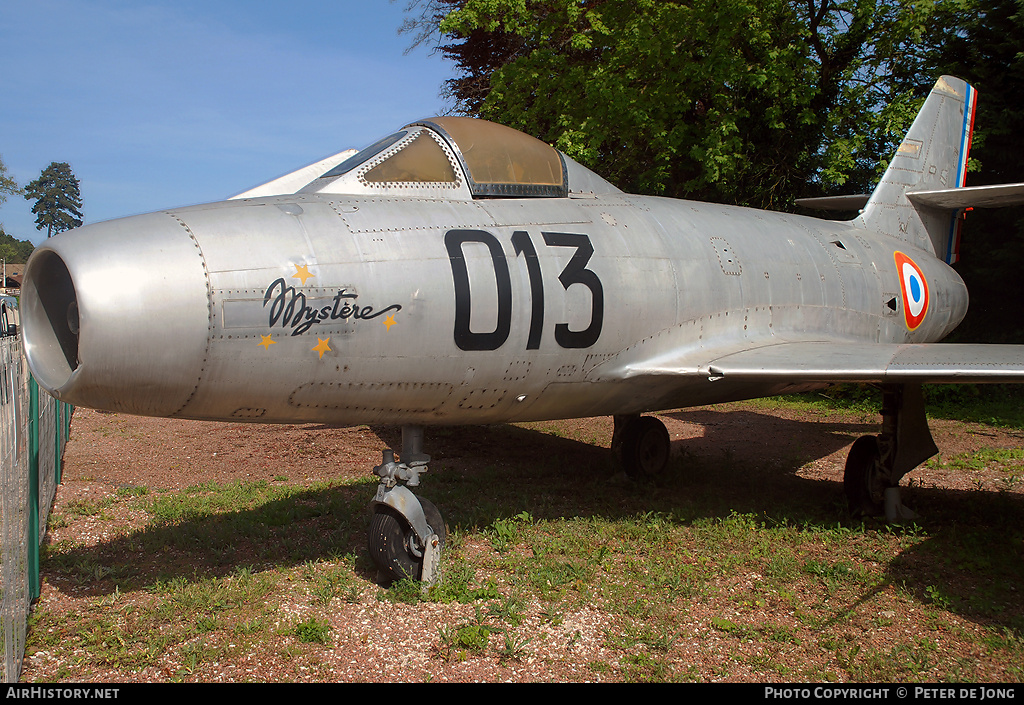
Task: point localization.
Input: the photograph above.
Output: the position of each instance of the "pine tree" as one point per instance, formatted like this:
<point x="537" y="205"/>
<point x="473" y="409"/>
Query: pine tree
<point x="58" y="201"/>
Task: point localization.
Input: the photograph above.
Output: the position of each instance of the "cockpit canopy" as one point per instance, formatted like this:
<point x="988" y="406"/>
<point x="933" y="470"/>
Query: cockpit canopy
<point x="458" y="157"/>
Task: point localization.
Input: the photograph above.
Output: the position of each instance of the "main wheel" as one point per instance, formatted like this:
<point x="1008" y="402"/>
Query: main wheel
<point x="394" y="546"/>
<point x="645" y="448"/>
<point x="864" y="479"/>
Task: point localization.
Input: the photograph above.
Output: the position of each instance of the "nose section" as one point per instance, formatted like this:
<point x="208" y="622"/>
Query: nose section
<point x="116" y="315"/>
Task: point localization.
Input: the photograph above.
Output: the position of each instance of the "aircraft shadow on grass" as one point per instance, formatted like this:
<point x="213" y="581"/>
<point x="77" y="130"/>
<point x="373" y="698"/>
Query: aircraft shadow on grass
<point x="550" y="476"/>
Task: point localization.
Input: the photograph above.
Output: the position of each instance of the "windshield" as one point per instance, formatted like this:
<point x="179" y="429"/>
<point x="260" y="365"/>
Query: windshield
<point x="421" y="161"/>
<point x="365" y="155"/>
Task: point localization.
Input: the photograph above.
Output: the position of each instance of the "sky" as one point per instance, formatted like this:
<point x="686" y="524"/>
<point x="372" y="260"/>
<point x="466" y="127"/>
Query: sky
<point x="158" y="104"/>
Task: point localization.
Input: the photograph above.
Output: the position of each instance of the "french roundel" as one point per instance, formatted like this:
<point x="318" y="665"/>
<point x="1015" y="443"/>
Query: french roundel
<point x="914" y="288"/>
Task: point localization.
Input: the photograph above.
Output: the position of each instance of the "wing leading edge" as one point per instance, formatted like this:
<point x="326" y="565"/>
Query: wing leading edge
<point x="936" y="363"/>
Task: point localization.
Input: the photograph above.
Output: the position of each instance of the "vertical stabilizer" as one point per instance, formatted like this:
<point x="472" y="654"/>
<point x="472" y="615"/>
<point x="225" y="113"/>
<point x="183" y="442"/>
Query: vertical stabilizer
<point x="933" y="156"/>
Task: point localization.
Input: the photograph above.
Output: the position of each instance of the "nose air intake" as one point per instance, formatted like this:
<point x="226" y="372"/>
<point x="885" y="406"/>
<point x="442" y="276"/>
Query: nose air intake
<point x="116" y="315"/>
<point x="50" y="319"/>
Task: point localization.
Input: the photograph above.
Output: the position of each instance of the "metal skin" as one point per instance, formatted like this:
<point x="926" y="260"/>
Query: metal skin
<point x="176" y="326"/>
<point x="421" y="304"/>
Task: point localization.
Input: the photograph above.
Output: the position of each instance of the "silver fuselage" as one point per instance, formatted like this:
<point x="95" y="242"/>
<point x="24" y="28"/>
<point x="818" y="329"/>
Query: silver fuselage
<point x="360" y="309"/>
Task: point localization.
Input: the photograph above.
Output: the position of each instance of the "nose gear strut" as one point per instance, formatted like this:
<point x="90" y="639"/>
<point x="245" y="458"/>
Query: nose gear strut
<point x="407" y="533"/>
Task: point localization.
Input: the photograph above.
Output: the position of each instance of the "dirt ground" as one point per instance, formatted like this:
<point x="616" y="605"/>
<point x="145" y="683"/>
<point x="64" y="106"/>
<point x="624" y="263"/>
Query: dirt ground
<point x="110" y="451"/>
<point x="107" y="451"/>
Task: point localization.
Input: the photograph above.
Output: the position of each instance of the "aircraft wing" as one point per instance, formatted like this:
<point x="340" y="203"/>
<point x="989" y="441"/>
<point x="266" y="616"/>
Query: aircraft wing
<point x="868" y="362"/>
<point x="811" y="362"/>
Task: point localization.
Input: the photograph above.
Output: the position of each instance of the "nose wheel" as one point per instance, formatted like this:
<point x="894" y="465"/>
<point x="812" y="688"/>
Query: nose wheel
<point x="407" y="533"/>
<point x="396" y="549"/>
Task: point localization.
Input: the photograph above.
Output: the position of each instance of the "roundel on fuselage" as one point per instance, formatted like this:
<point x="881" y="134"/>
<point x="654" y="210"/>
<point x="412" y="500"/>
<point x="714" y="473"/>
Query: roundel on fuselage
<point x="915" y="290"/>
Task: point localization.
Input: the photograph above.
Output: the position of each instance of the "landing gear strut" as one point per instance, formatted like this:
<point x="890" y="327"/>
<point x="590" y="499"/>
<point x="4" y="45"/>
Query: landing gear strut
<point x="642" y="445"/>
<point x="407" y="533"/>
<point x="876" y="464"/>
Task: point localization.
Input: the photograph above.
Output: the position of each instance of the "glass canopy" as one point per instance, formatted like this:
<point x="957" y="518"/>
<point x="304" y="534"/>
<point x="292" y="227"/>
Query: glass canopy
<point x="452" y="154"/>
<point x="500" y="161"/>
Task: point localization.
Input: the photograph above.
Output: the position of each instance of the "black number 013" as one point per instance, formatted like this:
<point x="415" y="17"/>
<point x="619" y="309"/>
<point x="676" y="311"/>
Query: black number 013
<point x="575" y="272"/>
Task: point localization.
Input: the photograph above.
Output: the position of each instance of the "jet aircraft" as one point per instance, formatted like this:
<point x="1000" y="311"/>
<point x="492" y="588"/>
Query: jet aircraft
<point x="461" y="272"/>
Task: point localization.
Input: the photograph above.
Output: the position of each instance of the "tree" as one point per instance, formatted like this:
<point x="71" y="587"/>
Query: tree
<point x="752" y="102"/>
<point x="58" y="201"/>
<point x="982" y="41"/>
<point x="7" y="184"/>
<point x="14" y="251"/>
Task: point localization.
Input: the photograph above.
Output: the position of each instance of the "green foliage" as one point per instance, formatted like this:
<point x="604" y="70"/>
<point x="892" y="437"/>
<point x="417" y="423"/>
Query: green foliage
<point x="743" y="101"/>
<point x="58" y="200"/>
<point x="8" y="186"/>
<point x="504" y="533"/>
<point x="313" y="631"/>
<point x="982" y="41"/>
<point x="14" y="251"/>
<point x="618" y="582"/>
<point x="11" y="250"/>
<point x="475" y="636"/>
<point x="752" y="102"/>
<point x="471" y="637"/>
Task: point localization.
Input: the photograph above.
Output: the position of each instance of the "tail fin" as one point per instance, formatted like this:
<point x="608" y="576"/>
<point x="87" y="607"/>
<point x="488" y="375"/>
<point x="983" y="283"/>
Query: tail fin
<point x="932" y="158"/>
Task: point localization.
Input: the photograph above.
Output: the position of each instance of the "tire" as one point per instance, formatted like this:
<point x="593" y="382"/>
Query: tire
<point x="390" y="539"/>
<point x="863" y="479"/>
<point x="646" y="448"/>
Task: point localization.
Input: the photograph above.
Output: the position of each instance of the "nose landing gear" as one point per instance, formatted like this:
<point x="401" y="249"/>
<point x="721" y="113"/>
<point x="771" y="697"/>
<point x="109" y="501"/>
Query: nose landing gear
<point x="399" y="551"/>
<point x="407" y="533"/>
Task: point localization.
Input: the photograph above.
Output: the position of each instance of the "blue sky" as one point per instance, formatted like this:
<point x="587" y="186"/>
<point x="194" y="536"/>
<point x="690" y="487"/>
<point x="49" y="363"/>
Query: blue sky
<point x="158" y="103"/>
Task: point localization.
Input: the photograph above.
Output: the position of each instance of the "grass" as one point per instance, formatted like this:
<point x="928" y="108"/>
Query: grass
<point x="1000" y="405"/>
<point x="313" y="631"/>
<point x="563" y="564"/>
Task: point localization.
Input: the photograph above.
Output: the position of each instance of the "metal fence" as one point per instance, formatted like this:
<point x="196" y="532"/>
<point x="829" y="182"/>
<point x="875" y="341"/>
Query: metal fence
<point x="33" y="431"/>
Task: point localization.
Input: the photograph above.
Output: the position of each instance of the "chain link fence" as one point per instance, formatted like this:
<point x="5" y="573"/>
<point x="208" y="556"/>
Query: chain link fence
<point x="33" y="431"/>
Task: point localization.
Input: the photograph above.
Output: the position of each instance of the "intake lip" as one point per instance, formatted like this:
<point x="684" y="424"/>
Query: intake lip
<point x="49" y="314"/>
<point x="116" y="315"/>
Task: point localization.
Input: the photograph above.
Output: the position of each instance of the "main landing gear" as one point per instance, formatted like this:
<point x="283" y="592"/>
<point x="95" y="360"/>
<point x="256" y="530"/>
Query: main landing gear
<point x="407" y="533"/>
<point x="642" y="445"/>
<point x="876" y="464"/>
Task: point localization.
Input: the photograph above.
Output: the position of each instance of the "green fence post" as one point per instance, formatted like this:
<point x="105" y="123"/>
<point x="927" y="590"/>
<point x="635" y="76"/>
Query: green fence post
<point x="58" y="429"/>
<point x="63" y="433"/>
<point x="33" y="489"/>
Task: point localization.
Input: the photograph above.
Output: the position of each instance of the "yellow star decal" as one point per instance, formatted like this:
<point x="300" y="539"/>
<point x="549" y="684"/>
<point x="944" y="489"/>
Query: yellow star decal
<point x="267" y="341"/>
<point x="389" y="321"/>
<point x="322" y="347"/>
<point x="303" y="273"/>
